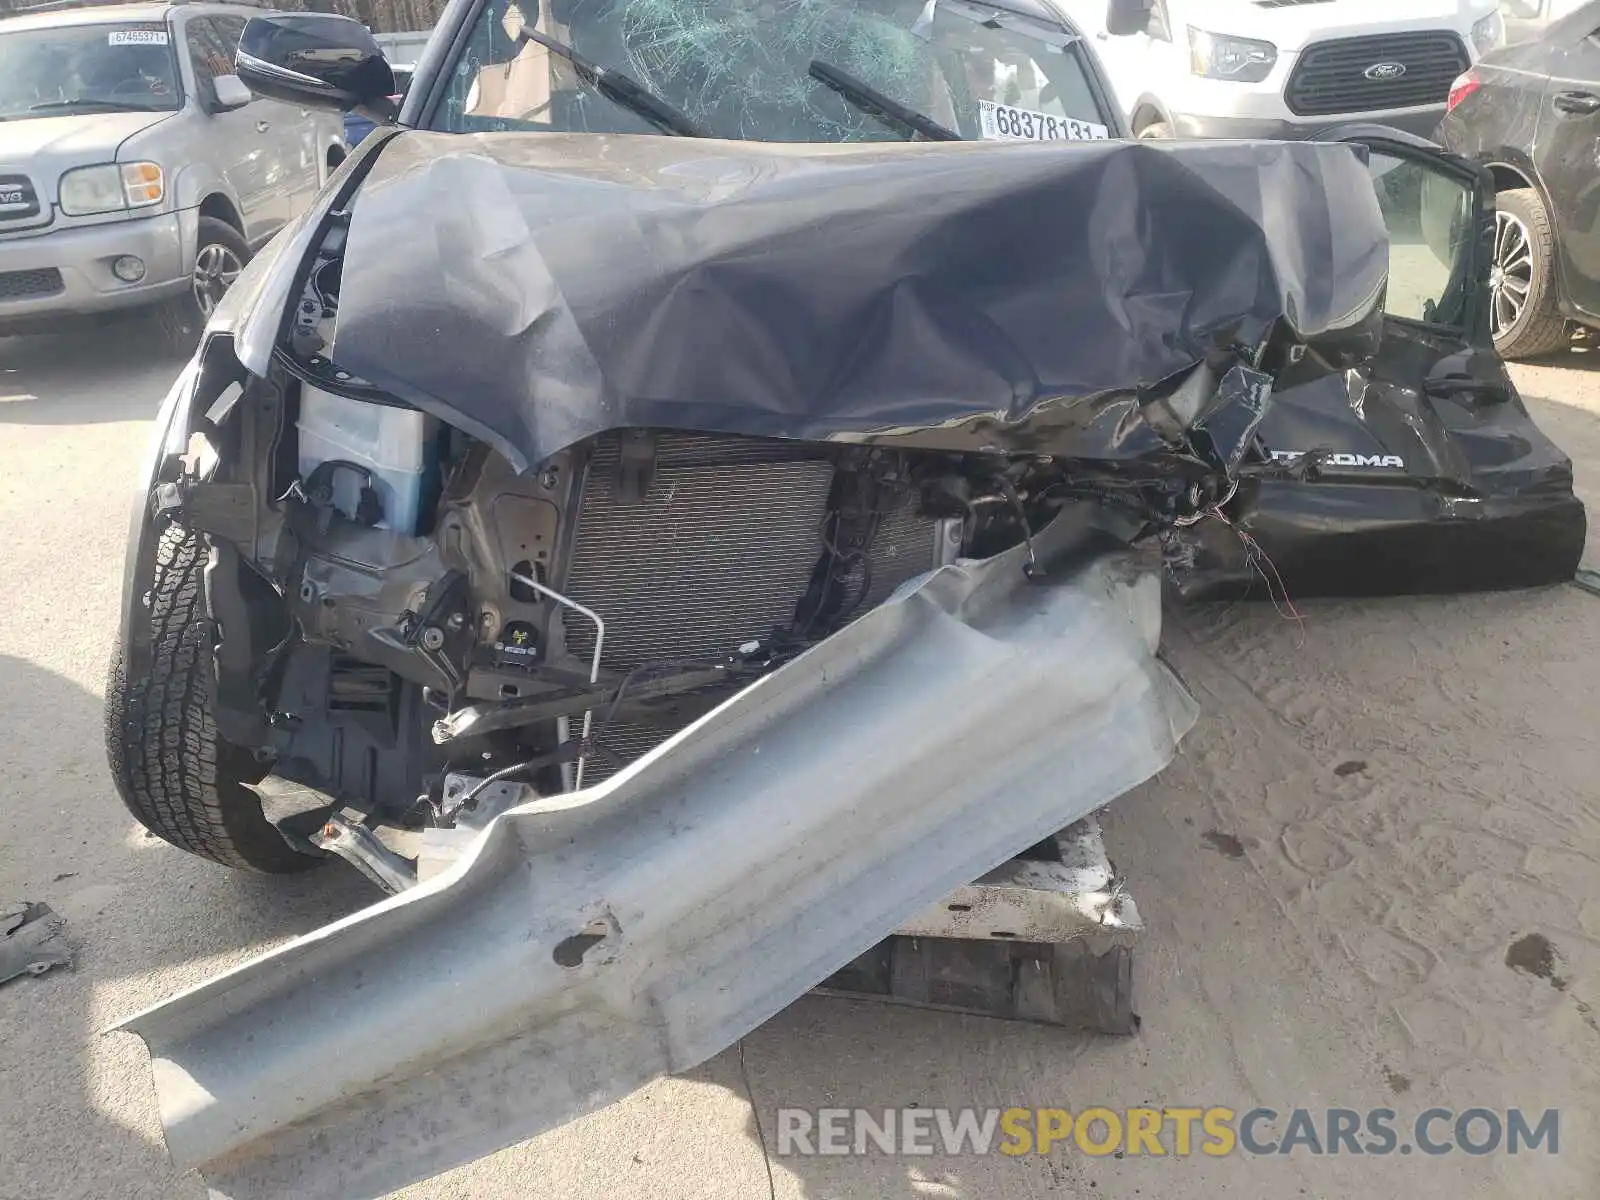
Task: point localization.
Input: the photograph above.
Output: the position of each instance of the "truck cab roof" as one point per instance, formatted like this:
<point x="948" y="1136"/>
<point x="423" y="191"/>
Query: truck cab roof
<point x="52" y="16"/>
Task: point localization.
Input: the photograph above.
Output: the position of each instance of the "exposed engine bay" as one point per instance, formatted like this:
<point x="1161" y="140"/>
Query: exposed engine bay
<point x="553" y="626"/>
<point x="572" y="619"/>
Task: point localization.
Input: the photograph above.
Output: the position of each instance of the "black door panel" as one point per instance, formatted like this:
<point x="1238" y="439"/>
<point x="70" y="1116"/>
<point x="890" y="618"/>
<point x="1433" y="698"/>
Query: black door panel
<point x="1567" y="157"/>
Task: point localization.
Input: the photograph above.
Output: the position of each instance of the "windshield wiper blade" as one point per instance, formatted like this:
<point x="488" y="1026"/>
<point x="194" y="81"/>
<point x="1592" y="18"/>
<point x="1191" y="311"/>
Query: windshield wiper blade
<point x="619" y="88"/>
<point x="874" y="103"/>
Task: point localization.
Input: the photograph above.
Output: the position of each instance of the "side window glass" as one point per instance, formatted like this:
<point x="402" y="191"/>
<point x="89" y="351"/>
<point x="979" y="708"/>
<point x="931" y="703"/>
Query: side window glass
<point x="208" y="56"/>
<point x="1160" y="24"/>
<point x="1429" y="217"/>
<point x="229" y="31"/>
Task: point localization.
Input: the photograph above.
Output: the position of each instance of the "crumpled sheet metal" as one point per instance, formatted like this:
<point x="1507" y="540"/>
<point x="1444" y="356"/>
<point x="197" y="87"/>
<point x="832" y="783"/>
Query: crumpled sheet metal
<point x="537" y="290"/>
<point x="591" y="942"/>
<point x="32" y="939"/>
<point x="1417" y="494"/>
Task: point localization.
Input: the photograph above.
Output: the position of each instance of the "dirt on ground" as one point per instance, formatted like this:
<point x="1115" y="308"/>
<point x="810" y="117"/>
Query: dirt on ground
<point x="1371" y="879"/>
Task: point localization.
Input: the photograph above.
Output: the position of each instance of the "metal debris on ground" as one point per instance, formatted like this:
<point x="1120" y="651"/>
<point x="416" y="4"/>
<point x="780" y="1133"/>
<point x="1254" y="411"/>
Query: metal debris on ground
<point x="1048" y="936"/>
<point x="1589" y="581"/>
<point x="32" y="939"/>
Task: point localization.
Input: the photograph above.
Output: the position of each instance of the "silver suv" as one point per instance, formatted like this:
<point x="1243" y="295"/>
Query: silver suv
<point x="136" y="170"/>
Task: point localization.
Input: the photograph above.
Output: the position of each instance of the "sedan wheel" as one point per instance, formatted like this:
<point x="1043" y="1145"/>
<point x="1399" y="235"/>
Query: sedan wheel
<point x="1511" y="277"/>
<point x="1524" y="314"/>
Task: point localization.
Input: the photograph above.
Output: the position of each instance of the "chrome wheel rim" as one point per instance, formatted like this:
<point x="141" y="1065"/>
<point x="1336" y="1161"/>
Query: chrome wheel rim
<point x="215" y="269"/>
<point x="1511" y="276"/>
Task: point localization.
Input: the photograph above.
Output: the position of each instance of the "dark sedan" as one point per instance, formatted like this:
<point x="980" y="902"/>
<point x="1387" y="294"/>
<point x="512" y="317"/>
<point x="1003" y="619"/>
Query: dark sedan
<point x="1531" y="113"/>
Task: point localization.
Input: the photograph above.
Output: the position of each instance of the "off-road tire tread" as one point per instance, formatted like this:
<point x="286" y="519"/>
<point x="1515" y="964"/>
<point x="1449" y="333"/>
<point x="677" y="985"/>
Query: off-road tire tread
<point x="1543" y="330"/>
<point x="180" y="780"/>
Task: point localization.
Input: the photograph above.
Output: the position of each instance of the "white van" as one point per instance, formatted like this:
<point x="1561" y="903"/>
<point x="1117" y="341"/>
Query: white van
<point x="1527" y="19"/>
<point x="1284" y="68"/>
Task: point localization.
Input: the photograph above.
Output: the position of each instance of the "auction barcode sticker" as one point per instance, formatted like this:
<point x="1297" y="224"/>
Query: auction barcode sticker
<point x="1003" y="122"/>
<point x="137" y="37"/>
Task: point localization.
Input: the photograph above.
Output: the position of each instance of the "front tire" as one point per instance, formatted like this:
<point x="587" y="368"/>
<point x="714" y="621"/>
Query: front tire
<point x="180" y="780"/>
<point x="1525" y="314"/>
<point x="220" y="254"/>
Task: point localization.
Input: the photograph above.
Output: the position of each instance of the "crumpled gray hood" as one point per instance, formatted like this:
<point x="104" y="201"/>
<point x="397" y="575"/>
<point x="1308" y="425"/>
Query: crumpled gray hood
<point x="538" y="290"/>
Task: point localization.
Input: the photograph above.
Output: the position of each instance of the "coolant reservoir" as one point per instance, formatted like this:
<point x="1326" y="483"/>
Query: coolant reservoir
<point x="398" y="445"/>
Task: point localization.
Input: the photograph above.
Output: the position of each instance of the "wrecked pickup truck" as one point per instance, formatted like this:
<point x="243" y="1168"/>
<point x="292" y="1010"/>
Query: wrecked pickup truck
<point x="670" y="565"/>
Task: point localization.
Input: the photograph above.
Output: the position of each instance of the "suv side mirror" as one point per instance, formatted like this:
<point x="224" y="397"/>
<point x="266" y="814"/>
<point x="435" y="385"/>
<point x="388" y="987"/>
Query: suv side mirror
<point x="318" y="60"/>
<point x="231" y="93"/>
<point x="1124" y="17"/>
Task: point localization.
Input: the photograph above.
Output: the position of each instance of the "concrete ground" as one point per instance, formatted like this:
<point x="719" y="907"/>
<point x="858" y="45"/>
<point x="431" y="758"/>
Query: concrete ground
<point x="1374" y="810"/>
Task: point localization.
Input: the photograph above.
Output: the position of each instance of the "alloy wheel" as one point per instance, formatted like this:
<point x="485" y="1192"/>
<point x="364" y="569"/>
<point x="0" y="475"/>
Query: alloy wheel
<point x="1511" y="276"/>
<point x="215" y="269"/>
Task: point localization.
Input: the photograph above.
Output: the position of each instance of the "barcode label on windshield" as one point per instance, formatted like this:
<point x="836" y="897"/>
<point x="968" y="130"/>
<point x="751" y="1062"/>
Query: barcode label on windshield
<point x="1002" y="122"/>
<point x="137" y="37"/>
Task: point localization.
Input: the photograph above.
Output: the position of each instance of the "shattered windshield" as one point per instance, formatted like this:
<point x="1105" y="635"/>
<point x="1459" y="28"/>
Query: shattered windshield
<point x="87" y="69"/>
<point x="760" y="70"/>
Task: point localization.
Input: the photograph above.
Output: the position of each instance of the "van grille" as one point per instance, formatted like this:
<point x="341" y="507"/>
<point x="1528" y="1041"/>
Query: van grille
<point x="1333" y="77"/>
<point x="25" y="285"/>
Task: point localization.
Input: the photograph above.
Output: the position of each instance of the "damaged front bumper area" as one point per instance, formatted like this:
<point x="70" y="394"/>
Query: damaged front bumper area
<point x="871" y="432"/>
<point x="589" y="942"/>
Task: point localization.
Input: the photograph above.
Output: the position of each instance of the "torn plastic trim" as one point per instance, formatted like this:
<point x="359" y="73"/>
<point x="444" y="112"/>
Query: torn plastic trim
<point x="590" y="942"/>
<point x="257" y="309"/>
<point x="203" y="379"/>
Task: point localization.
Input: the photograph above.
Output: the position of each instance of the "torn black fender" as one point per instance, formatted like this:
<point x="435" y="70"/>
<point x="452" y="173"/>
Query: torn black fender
<point x="592" y="941"/>
<point x="1417" y="469"/>
<point x="1421" y="473"/>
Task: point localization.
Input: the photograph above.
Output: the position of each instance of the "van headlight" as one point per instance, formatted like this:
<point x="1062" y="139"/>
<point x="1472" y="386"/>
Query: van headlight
<point x="1217" y="56"/>
<point x="1488" y="33"/>
<point x="111" y="187"/>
